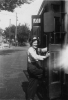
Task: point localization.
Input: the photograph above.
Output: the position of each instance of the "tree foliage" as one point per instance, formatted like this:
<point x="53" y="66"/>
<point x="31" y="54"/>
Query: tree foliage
<point x="10" y="5"/>
<point x="1" y="31"/>
<point x="22" y="33"/>
<point x="10" y="32"/>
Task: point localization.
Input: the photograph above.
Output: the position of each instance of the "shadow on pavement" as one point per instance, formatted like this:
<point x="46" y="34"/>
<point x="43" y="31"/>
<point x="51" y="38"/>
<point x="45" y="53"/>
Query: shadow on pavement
<point x="24" y="87"/>
<point x="25" y="84"/>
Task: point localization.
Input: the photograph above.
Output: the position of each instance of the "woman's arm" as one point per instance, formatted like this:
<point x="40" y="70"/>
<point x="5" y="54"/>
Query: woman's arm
<point x="36" y="56"/>
<point x="42" y="50"/>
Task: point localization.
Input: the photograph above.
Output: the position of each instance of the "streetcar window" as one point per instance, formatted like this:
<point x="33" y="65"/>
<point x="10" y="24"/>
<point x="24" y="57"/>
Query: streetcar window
<point x="56" y="8"/>
<point x="57" y="24"/>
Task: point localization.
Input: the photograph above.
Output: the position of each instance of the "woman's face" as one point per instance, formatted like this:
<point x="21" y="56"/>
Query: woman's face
<point x="34" y="44"/>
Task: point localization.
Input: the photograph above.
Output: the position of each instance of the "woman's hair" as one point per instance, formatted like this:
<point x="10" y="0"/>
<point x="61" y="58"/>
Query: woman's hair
<point x="31" y="42"/>
<point x="33" y="39"/>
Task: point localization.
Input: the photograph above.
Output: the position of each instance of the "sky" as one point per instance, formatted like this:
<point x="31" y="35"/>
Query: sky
<point x="24" y="14"/>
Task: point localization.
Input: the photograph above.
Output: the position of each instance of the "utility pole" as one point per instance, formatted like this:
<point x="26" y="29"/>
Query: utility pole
<point x="9" y="30"/>
<point x="9" y="27"/>
<point x="16" y="29"/>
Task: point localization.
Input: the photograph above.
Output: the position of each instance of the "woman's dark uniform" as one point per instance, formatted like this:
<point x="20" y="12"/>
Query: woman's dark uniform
<point x="35" y="71"/>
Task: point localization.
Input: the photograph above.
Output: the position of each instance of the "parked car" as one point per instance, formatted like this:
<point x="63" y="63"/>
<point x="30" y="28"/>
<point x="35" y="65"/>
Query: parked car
<point x="5" y="45"/>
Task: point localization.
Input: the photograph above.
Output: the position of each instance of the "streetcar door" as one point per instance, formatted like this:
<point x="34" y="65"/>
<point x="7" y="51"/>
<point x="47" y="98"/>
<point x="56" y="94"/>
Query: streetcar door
<point x="54" y="72"/>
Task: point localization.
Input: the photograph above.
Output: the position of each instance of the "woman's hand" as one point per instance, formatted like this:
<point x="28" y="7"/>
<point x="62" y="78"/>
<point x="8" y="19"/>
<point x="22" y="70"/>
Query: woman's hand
<point x="43" y="50"/>
<point x="47" y="54"/>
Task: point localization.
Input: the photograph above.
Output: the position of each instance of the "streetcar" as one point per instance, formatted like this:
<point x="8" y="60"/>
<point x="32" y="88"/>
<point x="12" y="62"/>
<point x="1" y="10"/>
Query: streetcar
<point x="50" y="26"/>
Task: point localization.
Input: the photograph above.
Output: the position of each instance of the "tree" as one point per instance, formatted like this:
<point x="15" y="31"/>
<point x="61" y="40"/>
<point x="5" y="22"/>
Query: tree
<point x="23" y="32"/>
<point x="1" y="31"/>
<point x="10" y="32"/>
<point x="10" y="5"/>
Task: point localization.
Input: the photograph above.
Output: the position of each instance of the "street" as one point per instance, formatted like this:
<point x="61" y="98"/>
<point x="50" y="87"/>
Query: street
<point x="12" y="78"/>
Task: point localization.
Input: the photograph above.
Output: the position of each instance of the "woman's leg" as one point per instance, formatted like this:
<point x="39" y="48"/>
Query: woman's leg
<point x="31" y="90"/>
<point x="34" y="75"/>
<point x="34" y="71"/>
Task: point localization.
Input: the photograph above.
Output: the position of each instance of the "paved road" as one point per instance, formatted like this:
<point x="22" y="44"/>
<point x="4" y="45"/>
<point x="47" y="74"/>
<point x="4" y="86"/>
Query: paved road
<point x="13" y="81"/>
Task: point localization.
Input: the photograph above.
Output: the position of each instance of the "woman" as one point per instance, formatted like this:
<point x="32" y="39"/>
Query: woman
<point x="35" y="70"/>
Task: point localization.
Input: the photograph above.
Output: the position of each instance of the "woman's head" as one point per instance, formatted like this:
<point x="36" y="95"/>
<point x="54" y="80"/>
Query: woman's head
<point x="34" y="42"/>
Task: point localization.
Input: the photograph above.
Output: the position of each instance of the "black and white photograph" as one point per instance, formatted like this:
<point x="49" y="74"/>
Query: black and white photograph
<point x="33" y="49"/>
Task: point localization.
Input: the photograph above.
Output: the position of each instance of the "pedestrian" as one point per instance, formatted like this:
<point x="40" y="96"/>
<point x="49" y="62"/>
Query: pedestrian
<point x="34" y="69"/>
